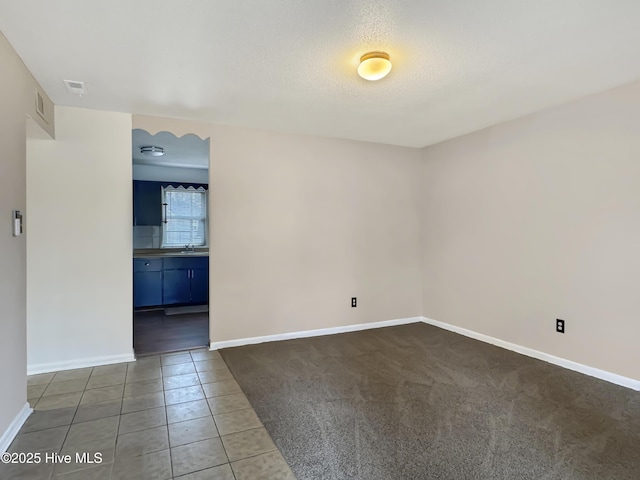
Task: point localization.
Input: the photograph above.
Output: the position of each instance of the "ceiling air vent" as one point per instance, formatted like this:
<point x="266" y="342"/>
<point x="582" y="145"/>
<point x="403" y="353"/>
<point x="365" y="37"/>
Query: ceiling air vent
<point x="75" y="87"/>
<point x="40" y="105"/>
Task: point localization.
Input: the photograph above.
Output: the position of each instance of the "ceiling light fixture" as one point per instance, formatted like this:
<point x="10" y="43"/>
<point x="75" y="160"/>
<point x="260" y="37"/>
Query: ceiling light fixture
<point x="152" y="150"/>
<point x="374" y="65"/>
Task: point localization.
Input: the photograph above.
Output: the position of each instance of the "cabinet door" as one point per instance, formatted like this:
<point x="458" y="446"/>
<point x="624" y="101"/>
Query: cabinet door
<point x="147" y="289"/>
<point x="200" y="286"/>
<point x="147" y="203"/>
<point x="176" y="287"/>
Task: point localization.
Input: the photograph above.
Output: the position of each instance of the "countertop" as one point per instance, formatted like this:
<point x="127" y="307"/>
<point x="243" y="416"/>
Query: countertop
<point x="168" y="252"/>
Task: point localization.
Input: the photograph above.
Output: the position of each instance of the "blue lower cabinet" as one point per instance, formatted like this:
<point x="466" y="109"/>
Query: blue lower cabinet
<point x="200" y="286"/>
<point x="186" y="280"/>
<point x="147" y="282"/>
<point x="177" y="286"/>
<point x="170" y="281"/>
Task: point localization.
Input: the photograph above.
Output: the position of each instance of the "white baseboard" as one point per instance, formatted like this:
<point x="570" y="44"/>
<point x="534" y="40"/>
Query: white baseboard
<point x="530" y="352"/>
<point x="312" y="333"/>
<point x="79" y="363"/>
<point x="14" y="427"/>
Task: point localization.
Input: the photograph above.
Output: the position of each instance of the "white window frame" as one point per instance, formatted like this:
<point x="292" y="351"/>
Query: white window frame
<point x="166" y="215"/>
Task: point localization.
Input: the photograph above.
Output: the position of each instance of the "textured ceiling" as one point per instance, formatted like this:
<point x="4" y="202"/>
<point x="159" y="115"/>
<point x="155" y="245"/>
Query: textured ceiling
<point x="289" y="65"/>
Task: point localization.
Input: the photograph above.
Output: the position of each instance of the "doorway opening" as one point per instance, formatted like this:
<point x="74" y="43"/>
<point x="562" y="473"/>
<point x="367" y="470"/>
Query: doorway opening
<point x="170" y="242"/>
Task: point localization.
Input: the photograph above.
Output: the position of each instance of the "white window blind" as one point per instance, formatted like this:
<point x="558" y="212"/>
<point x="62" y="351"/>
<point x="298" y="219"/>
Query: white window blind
<point x="185" y="216"/>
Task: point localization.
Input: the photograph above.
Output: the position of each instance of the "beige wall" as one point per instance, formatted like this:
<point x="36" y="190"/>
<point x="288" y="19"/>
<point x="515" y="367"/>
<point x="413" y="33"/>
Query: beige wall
<point x="17" y="98"/>
<point x="538" y="219"/>
<point x="79" y="274"/>
<point x="500" y="232"/>
<point x="301" y="224"/>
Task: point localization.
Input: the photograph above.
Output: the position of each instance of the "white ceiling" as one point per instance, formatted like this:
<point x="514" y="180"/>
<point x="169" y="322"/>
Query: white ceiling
<point x="189" y="151"/>
<point x="289" y="65"/>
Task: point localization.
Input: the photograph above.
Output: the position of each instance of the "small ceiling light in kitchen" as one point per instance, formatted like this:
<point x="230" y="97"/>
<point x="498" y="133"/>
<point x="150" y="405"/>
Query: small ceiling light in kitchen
<point x="152" y="150"/>
<point x="374" y="65"/>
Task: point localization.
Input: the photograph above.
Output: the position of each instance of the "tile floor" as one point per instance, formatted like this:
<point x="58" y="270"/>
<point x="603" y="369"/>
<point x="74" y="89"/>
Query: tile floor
<point x="175" y="416"/>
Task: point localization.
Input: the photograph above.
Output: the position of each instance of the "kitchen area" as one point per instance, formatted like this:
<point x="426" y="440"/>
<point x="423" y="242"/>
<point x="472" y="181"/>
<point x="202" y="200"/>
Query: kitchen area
<point x="170" y="244"/>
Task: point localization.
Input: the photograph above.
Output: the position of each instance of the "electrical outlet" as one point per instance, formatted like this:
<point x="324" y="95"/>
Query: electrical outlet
<point x="354" y="302"/>
<point x="559" y="325"/>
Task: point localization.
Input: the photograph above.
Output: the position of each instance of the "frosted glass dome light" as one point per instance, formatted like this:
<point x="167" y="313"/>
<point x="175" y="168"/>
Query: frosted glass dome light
<point x="374" y="65"/>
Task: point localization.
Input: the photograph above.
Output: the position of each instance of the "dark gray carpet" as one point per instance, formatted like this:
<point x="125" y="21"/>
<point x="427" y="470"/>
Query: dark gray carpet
<point x="419" y="402"/>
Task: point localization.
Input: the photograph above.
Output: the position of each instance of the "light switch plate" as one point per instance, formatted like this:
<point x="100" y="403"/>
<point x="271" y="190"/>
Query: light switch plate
<point x="17" y="223"/>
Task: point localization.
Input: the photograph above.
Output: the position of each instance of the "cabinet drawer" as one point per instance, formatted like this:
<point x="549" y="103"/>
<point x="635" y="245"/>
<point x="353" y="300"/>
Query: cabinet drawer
<point x="184" y="263"/>
<point x="147" y="264"/>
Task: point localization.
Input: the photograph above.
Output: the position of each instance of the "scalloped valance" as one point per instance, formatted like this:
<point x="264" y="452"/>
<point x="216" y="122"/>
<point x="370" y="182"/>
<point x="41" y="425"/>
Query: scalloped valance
<point x="190" y="188"/>
<point x="193" y="187"/>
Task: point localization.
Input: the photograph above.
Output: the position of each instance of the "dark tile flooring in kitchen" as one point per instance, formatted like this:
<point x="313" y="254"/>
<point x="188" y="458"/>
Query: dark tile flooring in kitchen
<point x="179" y="415"/>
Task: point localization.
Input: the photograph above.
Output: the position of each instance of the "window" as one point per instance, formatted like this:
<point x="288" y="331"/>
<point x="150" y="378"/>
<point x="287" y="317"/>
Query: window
<point x="185" y="216"/>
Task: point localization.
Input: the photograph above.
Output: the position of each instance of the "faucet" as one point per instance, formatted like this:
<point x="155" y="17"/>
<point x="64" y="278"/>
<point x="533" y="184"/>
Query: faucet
<point x="189" y="248"/>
